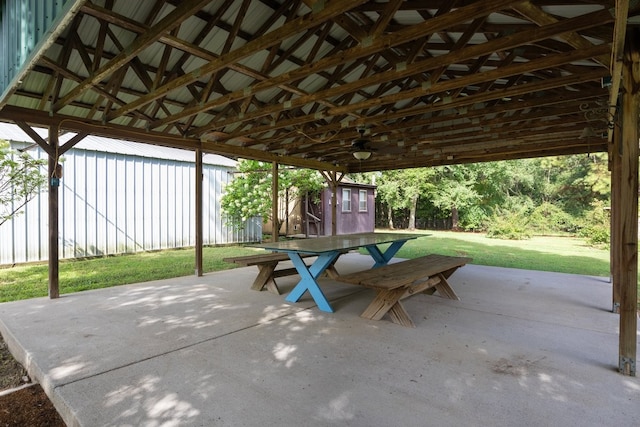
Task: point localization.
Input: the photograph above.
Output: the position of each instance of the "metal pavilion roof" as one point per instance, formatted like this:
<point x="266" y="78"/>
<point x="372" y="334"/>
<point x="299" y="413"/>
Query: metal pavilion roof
<point x="425" y="82"/>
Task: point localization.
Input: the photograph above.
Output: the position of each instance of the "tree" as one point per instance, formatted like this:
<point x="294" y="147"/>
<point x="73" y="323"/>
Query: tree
<point x="20" y="180"/>
<point x="414" y="184"/>
<point x="388" y="191"/>
<point x="455" y="190"/>
<point x="249" y="194"/>
<point x="401" y="189"/>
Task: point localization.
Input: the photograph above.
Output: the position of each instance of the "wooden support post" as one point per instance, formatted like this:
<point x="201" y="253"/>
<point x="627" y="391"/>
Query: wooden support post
<point x="616" y="207"/>
<point x="199" y="218"/>
<point x="333" y="180"/>
<point x="334" y="203"/>
<point x="629" y="205"/>
<point x="275" y="224"/>
<point x="54" y="183"/>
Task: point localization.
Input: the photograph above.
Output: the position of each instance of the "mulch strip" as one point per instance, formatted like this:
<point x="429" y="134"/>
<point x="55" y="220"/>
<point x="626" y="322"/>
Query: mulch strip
<point x="28" y="407"/>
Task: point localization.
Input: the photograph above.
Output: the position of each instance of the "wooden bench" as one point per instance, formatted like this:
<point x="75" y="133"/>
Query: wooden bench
<point x="267" y="273"/>
<point x="395" y="282"/>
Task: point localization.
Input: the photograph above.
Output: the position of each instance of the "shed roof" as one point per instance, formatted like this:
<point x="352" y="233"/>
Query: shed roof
<point x="423" y="82"/>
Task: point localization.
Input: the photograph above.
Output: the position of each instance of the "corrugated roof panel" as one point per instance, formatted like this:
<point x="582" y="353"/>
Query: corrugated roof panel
<point x="192" y="63"/>
<point x="214" y="41"/>
<point x="234" y="81"/>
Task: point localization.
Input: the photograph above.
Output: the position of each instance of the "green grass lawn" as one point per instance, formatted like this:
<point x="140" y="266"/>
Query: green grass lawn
<point x="560" y="254"/>
<point x="29" y="281"/>
<point x="544" y="253"/>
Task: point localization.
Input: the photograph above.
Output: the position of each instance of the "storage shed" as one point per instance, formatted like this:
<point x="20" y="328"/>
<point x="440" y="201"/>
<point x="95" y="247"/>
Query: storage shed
<point x="356" y="208"/>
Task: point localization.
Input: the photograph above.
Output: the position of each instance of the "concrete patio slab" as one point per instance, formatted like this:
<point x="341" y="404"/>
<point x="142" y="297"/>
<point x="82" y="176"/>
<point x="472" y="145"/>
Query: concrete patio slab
<point x="519" y="348"/>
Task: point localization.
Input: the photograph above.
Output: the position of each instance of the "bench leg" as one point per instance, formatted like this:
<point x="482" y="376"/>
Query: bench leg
<point x="445" y="289"/>
<point x="265" y="278"/>
<point x="399" y="315"/>
<point x="438" y="283"/>
<point x="331" y="271"/>
<point x="384" y="301"/>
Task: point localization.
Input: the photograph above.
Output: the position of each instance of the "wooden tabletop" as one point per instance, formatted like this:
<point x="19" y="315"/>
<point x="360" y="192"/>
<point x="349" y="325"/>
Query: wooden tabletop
<point x="342" y="242"/>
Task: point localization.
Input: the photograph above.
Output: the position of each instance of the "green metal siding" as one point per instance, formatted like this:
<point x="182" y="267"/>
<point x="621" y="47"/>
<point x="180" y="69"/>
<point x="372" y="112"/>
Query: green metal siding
<point x="24" y="25"/>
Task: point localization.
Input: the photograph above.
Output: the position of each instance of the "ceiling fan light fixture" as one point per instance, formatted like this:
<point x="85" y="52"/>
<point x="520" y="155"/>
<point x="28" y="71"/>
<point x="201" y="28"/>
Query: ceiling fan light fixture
<point x="358" y="147"/>
<point x="362" y="155"/>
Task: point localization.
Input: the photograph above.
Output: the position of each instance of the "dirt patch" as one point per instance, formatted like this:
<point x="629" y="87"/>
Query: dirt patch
<point x="28" y="406"/>
<point x="12" y="374"/>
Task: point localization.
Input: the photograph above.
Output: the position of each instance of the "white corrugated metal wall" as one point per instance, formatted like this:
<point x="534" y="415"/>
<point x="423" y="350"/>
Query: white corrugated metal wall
<point x="114" y="203"/>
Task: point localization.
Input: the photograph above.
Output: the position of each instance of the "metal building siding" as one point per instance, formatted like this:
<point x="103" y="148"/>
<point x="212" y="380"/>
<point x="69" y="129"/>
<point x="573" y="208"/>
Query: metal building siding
<point x="24" y="26"/>
<point x="112" y="204"/>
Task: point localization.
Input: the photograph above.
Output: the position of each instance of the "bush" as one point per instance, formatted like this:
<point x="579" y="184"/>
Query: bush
<point x="511" y="225"/>
<point x="473" y="218"/>
<point x="596" y="225"/>
<point x="549" y="218"/>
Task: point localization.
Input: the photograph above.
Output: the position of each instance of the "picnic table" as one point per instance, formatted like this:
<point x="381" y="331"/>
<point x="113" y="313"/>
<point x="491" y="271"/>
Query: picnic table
<point x="267" y="273"/>
<point x="328" y="249"/>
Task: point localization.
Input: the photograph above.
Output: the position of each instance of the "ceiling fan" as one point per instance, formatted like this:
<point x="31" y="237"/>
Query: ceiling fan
<point x="360" y="146"/>
<point x="363" y="147"/>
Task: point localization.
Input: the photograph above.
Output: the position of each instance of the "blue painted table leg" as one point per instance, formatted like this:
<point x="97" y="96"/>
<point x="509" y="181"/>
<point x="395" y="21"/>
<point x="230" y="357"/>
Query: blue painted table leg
<point x="383" y="258"/>
<point x="308" y="276"/>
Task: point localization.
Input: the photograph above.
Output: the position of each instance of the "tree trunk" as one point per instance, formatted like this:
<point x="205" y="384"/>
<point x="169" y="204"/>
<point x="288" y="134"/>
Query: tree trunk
<point x="412" y="212"/>
<point x="390" y="216"/>
<point x="454" y="219"/>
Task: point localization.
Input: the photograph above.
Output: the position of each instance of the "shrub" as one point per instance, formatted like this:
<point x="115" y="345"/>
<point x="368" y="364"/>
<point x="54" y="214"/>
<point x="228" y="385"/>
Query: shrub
<point x="511" y="225"/>
<point x="596" y="225"/>
<point x="473" y="218"/>
<point x="549" y="218"/>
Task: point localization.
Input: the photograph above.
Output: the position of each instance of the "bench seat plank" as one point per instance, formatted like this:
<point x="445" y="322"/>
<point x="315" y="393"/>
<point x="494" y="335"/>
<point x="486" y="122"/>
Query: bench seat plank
<point x="261" y="258"/>
<point x="404" y="273"/>
<point x="267" y="273"/>
<point x="395" y="282"/>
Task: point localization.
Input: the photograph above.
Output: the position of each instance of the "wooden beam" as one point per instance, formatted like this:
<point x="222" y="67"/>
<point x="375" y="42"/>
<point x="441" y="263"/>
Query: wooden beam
<point x="276" y="36"/>
<point x="472" y="51"/>
<point x="617" y="52"/>
<point x="198" y="214"/>
<point x="540" y="17"/>
<point x="188" y="49"/>
<point x="540" y="107"/>
<point x="186" y="9"/>
<point x="42" y="143"/>
<point x="63" y="72"/>
<point x="629" y="209"/>
<point x="275" y="223"/>
<point x="71" y="143"/>
<point x="333" y="179"/>
<point x="615" y="243"/>
<point x="517" y="90"/>
<point x="442" y="161"/>
<point x="110" y="130"/>
<point x="548" y="61"/>
<point x="372" y="47"/>
<point x="54" y="183"/>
